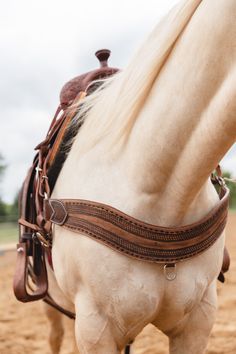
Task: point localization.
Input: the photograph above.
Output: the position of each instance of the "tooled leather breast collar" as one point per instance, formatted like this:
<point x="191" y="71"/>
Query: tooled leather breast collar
<point x="135" y="238"/>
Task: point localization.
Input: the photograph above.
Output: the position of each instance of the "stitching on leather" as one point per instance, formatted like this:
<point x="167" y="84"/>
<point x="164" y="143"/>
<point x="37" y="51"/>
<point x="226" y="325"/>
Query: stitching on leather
<point x="144" y="253"/>
<point x="198" y="229"/>
<point x="149" y="228"/>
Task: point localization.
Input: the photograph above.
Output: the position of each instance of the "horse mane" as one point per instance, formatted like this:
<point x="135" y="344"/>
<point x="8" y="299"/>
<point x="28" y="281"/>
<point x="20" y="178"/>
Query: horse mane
<point x="112" y="110"/>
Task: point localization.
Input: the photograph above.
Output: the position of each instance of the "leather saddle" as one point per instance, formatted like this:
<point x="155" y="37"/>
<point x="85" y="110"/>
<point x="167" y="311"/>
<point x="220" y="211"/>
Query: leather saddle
<point x="30" y="280"/>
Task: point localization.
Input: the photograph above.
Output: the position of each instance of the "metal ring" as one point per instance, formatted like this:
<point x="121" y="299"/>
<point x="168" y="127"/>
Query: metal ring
<point x="170" y="271"/>
<point x="42" y="240"/>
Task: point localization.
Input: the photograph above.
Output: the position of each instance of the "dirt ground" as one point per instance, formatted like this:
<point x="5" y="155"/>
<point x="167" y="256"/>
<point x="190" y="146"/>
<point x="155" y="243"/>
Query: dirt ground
<point x="24" y="328"/>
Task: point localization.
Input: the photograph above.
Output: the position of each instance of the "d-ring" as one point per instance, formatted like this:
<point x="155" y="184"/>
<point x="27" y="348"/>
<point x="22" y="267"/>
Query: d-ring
<point x="170" y="271"/>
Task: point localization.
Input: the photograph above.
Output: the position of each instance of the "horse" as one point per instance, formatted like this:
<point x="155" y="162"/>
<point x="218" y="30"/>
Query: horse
<point x="151" y="138"/>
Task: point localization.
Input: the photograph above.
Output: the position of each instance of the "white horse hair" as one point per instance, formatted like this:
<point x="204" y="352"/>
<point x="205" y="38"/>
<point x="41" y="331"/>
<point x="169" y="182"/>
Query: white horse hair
<point x="151" y="137"/>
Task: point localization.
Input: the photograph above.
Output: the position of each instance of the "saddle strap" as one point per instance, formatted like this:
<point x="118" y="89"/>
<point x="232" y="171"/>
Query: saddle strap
<point x="30" y="254"/>
<point x="49" y="300"/>
<point x="20" y="283"/>
<point x="135" y="238"/>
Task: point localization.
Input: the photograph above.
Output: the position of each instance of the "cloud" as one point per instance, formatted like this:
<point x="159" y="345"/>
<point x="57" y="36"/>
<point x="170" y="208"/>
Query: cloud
<point x="18" y="139"/>
<point x="45" y="44"/>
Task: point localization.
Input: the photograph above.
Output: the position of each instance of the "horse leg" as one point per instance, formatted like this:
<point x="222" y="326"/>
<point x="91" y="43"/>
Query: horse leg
<point x="93" y="330"/>
<point x="70" y="324"/>
<point x="194" y="336"/>
<point x="56" y="328"/>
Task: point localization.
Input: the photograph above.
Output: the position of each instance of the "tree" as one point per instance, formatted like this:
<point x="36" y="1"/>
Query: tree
<point x="3" y="211"/>
<point x="232" y="188"/>
<point x="13" y="211"/>
<point x="2" y="166"/>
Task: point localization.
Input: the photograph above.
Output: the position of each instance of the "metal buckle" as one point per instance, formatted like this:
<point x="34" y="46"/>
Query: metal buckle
<point x="218" y="180"/>
<point x="42" y="240"/>
<point x="221" y="181"/>
<point x="170" y="271"/>
<point x="38" y="169"/>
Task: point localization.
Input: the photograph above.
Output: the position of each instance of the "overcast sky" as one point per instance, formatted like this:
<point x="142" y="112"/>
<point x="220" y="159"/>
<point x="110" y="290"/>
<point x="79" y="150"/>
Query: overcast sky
<point x="45" y="43"/>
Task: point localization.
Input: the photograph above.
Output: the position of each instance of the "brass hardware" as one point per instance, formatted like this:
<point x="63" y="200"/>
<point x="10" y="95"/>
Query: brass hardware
<point x="42" y="240"/>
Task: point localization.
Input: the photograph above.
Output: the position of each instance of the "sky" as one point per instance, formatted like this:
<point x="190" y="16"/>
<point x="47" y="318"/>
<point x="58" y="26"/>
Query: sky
<point x="45" y="43"/>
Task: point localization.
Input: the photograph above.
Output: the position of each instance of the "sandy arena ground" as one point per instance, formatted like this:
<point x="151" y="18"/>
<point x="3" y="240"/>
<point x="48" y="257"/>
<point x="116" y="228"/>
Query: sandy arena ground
<point x="24" y="328"/>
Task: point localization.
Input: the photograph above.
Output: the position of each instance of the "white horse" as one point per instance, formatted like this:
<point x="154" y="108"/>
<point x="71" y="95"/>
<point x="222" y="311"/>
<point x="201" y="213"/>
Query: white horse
<point x="150" y="140"/>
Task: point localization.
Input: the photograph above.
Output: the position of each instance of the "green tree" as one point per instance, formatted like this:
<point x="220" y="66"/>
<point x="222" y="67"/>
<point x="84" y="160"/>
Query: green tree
<point x="232" y="188"/>
<point x="3" y="211"/>
<point x="2" y="166"/>
<point x="13" y="210"/>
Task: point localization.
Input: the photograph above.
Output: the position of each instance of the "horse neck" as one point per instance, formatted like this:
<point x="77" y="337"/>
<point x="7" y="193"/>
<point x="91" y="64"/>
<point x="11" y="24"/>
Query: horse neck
<point x="185" y="127"/>
<point x="188" y="122"/>
<point x="170" y="160"/>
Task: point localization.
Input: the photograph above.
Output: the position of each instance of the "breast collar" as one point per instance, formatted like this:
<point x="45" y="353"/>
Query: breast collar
<point x="135" y="238"/>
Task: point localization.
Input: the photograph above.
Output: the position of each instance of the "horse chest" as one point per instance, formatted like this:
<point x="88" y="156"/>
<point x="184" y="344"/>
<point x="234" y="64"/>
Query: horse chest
<point x="143" y="296"/>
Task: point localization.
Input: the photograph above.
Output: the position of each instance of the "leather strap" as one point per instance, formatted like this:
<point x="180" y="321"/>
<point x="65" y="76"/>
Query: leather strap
<point x="29" y="251"/>
<point x="49" y="300"/>
<point x="35" y="231"/>
<point x="20" y="283"/>
<point x="135" y="238"/>
<point x="70" y="113"/>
